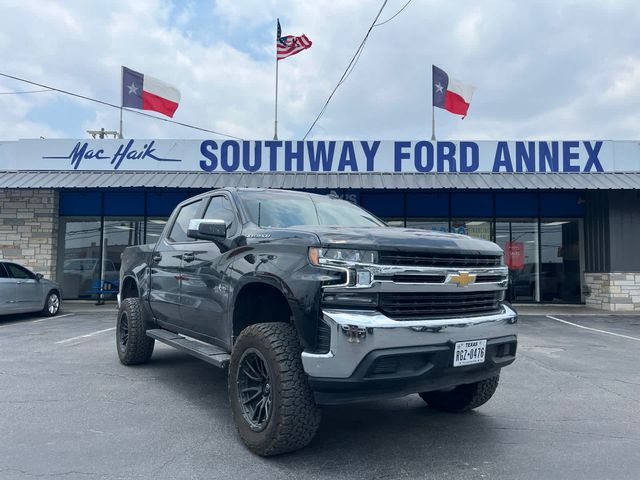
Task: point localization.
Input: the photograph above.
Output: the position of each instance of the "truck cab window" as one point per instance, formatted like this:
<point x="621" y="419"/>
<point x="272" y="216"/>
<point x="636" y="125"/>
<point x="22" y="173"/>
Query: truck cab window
<point x="180" y="226"/>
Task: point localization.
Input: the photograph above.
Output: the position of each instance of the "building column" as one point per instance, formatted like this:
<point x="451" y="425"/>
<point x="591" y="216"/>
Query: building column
<point x="612" y="229"/>
<point x="615" y="292"/>
<point x="29" y="228"/>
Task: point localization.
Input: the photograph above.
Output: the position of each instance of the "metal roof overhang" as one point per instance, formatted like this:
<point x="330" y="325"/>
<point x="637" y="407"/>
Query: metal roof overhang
<point x="313" y="180"/>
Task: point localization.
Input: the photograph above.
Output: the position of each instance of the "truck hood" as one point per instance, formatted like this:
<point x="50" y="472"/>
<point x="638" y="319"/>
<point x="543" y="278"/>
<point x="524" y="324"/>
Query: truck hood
<point x="400" y="239"/>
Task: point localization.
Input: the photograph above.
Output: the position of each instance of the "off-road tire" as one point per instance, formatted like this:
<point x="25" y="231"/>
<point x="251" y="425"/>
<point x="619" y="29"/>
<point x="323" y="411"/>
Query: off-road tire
<point x="464" y="397"/>
<point x="294" y="416"/>
<point x="51" y="304"/>
<point x="137" y="347"/>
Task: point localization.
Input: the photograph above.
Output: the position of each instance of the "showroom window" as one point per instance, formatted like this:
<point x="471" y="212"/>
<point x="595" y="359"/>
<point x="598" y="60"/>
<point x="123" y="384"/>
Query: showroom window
<point x="96" y="227"/>
<point x="477" y="228"/>
<point x="541" y="229"/>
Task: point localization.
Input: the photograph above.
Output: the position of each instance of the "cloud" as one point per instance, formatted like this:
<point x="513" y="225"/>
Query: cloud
<point x="542" y="70"/>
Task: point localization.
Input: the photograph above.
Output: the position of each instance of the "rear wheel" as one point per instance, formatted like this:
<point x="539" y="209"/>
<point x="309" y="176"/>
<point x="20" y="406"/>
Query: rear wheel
<point x="272" y="404"/>
<point x="51" y="304"/>
<point x="463" y="397"/>
<point x="134" y="347"/>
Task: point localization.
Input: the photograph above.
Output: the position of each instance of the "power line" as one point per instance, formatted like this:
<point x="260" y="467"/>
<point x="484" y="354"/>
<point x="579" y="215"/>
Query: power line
<point x="102" y="102"/>
<point x="26" y="91"/>
<point x="394" y="16"/>
<point x="348" y="70"/>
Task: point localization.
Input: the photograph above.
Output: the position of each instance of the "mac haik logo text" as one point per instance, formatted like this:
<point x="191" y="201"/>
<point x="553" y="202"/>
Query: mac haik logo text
<point x="125" y="151"/>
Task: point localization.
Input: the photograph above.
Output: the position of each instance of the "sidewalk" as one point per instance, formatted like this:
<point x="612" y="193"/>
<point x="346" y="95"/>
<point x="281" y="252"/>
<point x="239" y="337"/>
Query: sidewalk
<point x="87" y="306"/>
<point x="528" y="309"/>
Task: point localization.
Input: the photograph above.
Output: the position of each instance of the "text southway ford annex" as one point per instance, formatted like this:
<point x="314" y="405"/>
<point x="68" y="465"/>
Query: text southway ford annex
<point x="420" y="156"/>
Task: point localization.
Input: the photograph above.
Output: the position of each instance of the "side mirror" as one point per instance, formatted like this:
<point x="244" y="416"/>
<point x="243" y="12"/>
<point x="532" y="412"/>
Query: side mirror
<point x="206" y="229"/>
<point x="39" y="276"/>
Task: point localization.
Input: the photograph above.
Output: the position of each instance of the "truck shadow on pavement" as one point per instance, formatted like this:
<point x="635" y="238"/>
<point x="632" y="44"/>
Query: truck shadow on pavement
<point x="385" y="432"/>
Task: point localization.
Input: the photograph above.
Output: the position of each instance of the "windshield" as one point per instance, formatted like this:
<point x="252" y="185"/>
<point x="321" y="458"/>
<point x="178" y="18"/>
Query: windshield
<point x="282" y="210"/>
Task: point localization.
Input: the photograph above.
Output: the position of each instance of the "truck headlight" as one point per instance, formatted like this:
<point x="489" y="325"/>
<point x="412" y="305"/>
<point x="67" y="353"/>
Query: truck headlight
<point x="341" y="256"/>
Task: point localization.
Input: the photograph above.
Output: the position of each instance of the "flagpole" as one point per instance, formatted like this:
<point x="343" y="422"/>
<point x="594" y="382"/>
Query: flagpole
<point x="275" y="123"/>
<point x="433" y="123"/>
<point x="433" y="111"/>
<point x="121" y="96"/>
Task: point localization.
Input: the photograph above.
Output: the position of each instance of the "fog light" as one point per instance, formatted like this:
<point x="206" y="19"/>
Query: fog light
<point x="353" y="299"/>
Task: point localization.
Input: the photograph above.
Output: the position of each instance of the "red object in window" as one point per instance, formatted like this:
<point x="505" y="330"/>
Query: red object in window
<point x="514" y="255"/>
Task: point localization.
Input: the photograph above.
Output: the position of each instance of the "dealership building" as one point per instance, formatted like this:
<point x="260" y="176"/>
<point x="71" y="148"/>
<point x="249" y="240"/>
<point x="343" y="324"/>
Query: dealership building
<point x="567" y="213"/>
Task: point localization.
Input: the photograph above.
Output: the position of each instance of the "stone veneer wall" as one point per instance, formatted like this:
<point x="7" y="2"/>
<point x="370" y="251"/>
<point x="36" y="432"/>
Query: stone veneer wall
<point x="29" y="228"/>
<point x="616" y="292"/>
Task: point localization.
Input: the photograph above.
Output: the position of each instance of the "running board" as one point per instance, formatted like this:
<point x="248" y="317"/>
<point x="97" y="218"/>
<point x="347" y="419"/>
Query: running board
<point x="209" y="353"/>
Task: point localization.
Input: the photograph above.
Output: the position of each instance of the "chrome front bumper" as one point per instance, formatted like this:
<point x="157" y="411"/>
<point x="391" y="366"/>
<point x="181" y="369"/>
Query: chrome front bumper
<point x="355" y="333"/>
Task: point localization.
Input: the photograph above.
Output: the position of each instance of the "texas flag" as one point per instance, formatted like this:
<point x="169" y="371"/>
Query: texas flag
<point x="451" y="94"/>
<point x="148" y="93"/>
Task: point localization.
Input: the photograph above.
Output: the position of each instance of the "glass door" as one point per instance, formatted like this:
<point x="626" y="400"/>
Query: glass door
<point x="519" y="240"/>
<point x="79" y="269"/>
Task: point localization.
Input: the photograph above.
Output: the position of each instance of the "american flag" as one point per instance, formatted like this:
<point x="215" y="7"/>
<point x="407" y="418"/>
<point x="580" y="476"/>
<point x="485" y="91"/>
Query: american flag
<point x="290" y="45"/>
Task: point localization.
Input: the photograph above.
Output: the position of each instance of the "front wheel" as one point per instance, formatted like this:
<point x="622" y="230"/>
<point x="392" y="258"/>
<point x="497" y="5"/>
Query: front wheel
<point x="463" y="397"/>
<point x="51" y="304"/>
<point x="272" y="404"/>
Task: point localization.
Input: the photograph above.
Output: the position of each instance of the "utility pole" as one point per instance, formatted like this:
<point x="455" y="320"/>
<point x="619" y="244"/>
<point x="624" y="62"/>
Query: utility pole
<point x="102" y="133"/>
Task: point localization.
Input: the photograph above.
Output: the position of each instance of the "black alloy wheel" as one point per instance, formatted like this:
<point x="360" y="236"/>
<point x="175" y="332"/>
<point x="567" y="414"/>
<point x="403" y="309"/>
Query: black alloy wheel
<point x="272" y="405"/>
<point x="123" y="331"/>
<point x="255" y="389"/>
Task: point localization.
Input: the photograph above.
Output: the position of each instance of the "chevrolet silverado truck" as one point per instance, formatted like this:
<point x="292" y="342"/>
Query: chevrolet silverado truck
<point x="309" y="300"/>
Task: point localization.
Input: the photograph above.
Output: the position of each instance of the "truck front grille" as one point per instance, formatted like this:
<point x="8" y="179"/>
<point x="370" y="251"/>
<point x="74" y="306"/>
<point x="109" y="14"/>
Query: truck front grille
<point x="446" y="260"/>
<point x="415" y="306"/>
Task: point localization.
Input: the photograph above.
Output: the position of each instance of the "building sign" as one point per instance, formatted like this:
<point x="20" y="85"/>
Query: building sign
<point x="586" y="156"/>
<point x="514" y="255"/>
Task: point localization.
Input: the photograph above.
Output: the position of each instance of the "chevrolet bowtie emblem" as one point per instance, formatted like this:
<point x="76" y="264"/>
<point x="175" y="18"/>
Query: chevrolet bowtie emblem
<point x="462" y="279"/>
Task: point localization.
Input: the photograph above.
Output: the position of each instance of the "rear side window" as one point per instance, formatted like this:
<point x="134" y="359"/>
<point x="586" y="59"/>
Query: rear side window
<point x="16" y="271"/>
<point x="180" y="226"/>
<point x="3" y="271"/>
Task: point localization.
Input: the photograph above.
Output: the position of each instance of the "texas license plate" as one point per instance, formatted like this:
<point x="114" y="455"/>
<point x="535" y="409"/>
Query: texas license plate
<point x="468" y="353"/>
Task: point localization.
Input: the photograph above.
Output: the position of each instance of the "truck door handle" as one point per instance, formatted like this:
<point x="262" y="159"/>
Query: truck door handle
<point x="188" y="257"/>
<point x="156" y="257"/>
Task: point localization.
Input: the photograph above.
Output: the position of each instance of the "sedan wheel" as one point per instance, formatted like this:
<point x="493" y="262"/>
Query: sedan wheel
<point x="52" y="305"/>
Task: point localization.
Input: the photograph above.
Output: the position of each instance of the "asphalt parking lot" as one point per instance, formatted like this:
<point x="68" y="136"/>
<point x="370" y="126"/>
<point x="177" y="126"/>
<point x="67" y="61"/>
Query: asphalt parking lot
<point x="568" y="408"/>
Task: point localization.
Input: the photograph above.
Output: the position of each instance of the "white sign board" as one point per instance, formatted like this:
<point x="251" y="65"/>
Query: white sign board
<point x="421" y="156"/>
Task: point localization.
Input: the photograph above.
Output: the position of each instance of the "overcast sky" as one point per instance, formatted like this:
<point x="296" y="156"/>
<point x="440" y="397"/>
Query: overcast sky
<point x="542" y="69"/>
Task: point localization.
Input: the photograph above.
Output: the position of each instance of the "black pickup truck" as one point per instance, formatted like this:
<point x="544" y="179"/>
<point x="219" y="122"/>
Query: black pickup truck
<point x="309" y="300"/>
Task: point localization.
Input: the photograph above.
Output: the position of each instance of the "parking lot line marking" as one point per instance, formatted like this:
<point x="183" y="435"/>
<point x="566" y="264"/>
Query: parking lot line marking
<point x="50" y="318"/>
<point x="594" y="329"/>
<point x="79" y="337"/>
<point x="36" y="321"/>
